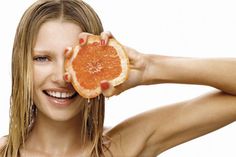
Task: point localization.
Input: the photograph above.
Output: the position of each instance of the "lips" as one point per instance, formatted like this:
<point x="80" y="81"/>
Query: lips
<point x="60" y="98"/>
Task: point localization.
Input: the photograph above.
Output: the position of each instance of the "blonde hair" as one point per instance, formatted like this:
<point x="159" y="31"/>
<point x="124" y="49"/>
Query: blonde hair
<point x="22" y="108"/>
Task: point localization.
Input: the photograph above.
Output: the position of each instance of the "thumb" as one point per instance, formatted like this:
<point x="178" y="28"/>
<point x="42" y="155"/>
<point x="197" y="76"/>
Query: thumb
<point x="108" y="89"/>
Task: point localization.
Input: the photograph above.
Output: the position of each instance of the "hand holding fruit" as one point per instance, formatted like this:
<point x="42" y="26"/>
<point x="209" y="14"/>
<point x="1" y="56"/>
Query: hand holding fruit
<point x="99" y="64"/>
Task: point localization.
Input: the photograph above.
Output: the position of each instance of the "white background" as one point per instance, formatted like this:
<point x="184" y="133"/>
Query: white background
<point x="203" y="28"/>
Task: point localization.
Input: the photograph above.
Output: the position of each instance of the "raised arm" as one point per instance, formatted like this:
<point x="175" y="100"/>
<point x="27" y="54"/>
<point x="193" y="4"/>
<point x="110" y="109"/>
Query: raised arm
<point x="216" y="72"/>
<point x="160" y="129"/>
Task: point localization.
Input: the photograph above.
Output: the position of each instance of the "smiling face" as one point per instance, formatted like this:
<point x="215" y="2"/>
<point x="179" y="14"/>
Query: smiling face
<point x="54" y="97"/>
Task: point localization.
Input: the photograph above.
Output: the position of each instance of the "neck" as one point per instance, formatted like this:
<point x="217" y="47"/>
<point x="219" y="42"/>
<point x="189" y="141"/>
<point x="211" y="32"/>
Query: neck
<point x="56" y="137"/>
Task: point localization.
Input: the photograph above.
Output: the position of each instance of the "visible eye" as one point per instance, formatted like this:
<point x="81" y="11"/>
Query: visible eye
<point x="41" y="58"/>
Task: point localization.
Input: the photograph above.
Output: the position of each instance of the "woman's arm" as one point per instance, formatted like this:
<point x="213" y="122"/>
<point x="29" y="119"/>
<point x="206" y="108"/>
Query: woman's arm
<point x="216" y="72"/>
<point x="160" y="129"/>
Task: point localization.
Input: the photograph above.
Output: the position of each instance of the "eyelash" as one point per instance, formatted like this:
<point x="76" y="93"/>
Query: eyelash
<point x="41" y="58"/>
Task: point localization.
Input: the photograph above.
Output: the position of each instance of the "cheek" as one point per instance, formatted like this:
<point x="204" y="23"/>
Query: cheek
<point x="40" y="75"/>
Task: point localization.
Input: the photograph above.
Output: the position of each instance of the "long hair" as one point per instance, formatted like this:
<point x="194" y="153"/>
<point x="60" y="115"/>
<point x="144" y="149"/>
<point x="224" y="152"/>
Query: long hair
<point x="22" y="108"/>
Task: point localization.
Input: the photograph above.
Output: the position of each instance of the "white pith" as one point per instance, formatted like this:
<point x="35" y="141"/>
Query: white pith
<point x="60" y="94"/>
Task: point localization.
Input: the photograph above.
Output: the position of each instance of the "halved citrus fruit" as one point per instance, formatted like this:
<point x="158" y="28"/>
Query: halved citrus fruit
<point x="92" y="63"/>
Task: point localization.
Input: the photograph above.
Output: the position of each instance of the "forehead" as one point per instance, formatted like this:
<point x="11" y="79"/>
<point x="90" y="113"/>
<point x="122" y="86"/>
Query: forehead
<point x="57" y="33"/>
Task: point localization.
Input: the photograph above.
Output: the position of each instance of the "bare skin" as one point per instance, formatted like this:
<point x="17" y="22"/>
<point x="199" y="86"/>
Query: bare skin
<point x="167" y="126"/>
<point x="180" y="122"/>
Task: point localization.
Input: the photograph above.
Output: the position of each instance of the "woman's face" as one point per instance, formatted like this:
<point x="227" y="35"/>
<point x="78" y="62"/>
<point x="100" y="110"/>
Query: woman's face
<point x="54" y="97"/>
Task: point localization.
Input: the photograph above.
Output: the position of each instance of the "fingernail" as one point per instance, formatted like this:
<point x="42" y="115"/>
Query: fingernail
<point x="81" y="41"/>
<point x="66" y="77"/>
<point x="102" y="42"/>
<point x="105" y="85"/>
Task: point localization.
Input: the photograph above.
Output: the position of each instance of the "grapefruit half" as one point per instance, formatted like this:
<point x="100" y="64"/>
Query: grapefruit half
<point x="86" y="66"/>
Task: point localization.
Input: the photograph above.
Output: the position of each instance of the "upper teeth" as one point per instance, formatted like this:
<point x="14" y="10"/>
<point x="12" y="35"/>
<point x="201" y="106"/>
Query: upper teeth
<point x="60" y="94"/>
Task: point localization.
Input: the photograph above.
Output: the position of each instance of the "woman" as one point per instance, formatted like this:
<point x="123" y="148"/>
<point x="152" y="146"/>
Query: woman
<point x="48" y="118"/>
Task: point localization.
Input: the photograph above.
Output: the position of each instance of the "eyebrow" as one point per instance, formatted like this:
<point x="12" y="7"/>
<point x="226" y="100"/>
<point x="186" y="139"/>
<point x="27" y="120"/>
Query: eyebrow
<point x="42" y="51"/>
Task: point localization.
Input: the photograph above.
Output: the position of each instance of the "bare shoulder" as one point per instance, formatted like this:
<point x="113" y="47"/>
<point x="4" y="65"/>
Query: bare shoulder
<point x="106" y="129"/>
<point x="129" y="137"/>
<point x="3" y="141"/>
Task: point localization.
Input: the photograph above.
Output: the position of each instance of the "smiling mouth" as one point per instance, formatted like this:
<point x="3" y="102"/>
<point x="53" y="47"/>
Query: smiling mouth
<point x="60" y="95"/>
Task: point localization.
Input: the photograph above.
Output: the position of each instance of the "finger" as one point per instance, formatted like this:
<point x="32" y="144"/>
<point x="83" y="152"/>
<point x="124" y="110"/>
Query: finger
<point x="67" y="77"/>
<point x="132" y="54"/>
<point x="68" y="52"/>
<point x="105" y="36"/>
<point x="107" y="89"/>
<point x="83" y="37"/>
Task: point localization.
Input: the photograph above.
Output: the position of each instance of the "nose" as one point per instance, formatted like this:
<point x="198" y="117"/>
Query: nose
<point x="58" y="73"/>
